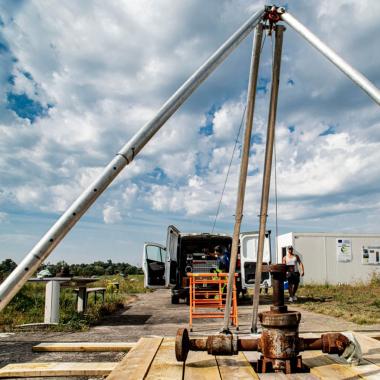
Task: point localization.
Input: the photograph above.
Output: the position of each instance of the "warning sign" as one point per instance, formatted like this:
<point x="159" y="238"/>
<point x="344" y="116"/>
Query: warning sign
<point x="371" y="255"/>
<point x="343" y="250"/>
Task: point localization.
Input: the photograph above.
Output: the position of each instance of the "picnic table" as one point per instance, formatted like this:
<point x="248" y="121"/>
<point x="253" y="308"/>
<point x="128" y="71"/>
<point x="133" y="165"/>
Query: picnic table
<point x="52" y="293"/>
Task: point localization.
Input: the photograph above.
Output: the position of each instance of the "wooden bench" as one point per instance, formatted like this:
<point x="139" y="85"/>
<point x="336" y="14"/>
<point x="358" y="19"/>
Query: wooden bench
<point x="100" y="290"/>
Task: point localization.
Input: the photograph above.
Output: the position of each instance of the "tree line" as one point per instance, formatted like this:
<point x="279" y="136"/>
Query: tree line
<point x="61" y="268"/>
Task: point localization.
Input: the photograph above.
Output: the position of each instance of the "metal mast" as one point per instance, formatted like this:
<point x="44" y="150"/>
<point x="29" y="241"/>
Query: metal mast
<point x="251" y="97"/>
<point x="279" y="31"/>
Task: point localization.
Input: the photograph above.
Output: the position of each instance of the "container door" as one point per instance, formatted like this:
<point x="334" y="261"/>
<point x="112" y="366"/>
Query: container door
<point x="154" y="259"/>
<point x="171" y="264"/>
<point x="248" y="256"/>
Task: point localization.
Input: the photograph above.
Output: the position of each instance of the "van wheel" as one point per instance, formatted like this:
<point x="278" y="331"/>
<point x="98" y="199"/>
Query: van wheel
<point x="175" y="299"/>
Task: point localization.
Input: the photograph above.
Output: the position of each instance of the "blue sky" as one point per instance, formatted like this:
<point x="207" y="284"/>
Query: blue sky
<point x="78" y="79"/>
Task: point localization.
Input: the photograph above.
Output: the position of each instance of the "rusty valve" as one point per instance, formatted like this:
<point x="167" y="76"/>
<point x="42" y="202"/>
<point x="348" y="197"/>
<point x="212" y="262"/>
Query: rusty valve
<point x="279" y="342"/>
<point x="229" y="344"/>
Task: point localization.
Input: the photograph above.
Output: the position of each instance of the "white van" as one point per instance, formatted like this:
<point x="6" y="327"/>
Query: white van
<point x="167" y="266"/>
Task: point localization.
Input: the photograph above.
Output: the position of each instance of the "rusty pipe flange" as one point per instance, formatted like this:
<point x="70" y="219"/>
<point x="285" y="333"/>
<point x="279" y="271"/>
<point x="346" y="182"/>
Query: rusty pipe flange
<point x="334" y="343"/>
<point x="182" y="345"/>
<point x="222" y="344"/>
<point x="269" y="319"/>
<point x="279" y="268"/>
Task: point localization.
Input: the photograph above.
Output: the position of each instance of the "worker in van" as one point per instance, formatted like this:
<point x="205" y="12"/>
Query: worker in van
<point x="293" y="276"/>
<point x="222" y="256"/>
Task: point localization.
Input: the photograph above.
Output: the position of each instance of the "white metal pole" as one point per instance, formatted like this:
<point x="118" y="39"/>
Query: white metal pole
<point x="339" y="62"/>
<point x="58" y="231"/>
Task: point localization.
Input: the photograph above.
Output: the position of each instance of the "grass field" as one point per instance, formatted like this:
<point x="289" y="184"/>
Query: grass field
<point x="359" y="303"/>
<point x="28" y="305"/>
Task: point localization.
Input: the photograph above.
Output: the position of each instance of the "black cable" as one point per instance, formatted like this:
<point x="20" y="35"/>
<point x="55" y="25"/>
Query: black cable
<point x="228" y="171"/>
<point x="233" y="152"/>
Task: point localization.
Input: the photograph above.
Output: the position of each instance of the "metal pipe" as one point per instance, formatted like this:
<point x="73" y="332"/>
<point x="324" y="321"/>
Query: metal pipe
<point x="251" y="97"/>
<point x="58" y="231"/>
<point x="339" y="62"/>
<point x="267" y="168"/>
<point x="278" y="289"/>
<point x="248" y="344"/>
<point x="311" y="344"/>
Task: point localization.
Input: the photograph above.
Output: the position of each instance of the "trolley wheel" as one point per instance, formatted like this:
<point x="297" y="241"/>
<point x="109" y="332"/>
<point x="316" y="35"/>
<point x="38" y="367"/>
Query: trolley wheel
<point x="182" y="345"/>
<point x="175" y="299"/>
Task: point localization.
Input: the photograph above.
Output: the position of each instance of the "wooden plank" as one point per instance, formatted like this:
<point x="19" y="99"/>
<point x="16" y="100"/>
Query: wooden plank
<point x="324" y="367"/>
<point x="273" y="376"/>
<point x="136" y="363"/>
<point x="201" y="366"/>
<point x="365" y="370"/>
<point x="370" y="348"/>
<point x="293" y="376"/>
<point x="83" y="346"/>
<point x="235" y="367"/>
<point x="165" y="364"/>
<point x="57" y="369"/>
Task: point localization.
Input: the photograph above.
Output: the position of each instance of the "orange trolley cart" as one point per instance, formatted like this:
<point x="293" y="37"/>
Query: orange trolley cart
<point x="208" y="291"/>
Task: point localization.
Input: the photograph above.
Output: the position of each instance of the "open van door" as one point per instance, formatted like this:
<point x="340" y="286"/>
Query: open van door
<point x="154" y="260"/>
<point x="171" y="265"/>
<point x="248" y="257"/>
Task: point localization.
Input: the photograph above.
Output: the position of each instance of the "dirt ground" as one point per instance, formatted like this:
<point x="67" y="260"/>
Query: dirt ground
<point x="151" y="314"/>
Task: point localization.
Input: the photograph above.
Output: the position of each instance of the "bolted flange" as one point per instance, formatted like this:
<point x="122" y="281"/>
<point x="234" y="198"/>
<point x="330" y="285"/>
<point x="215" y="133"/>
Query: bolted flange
<point x="182" y="345"/>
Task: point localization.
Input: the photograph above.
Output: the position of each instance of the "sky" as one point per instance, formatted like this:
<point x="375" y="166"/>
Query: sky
<point x="79" y="78"/>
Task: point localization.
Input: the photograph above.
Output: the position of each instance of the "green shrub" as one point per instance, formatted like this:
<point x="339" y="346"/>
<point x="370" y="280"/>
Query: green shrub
<point x="28" y="305"/>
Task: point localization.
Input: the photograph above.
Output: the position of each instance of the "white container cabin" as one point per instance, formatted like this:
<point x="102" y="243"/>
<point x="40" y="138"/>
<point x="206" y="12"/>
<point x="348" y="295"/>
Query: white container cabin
<point x="334" y="258"/>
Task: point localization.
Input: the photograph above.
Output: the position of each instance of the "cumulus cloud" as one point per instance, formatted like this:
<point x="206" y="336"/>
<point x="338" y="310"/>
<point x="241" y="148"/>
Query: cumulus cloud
<point x="226" y="118"/>
<point x="111" y="214"/>
<point x="80" y="79"/>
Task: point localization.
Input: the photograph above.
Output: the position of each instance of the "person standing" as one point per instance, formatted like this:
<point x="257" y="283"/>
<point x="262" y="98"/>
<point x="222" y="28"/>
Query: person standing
<point x="294" y="276"/>
<point x="222" y="256"/>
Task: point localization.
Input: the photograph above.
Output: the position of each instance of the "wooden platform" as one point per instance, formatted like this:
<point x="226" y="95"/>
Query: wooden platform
<point x="83" y="347"/>
<point x="51" y="369"/>
<point x="154" y="359"/>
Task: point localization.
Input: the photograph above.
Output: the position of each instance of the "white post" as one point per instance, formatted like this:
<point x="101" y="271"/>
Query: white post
<point x="52" y="292"/>
<point x="82" y="300"/>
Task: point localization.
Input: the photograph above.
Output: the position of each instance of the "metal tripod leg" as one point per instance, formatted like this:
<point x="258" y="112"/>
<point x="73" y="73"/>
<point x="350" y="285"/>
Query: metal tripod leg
<point x="267" y="168"/>
<point x="251" y="97"/>
<point x="338" y="61"/>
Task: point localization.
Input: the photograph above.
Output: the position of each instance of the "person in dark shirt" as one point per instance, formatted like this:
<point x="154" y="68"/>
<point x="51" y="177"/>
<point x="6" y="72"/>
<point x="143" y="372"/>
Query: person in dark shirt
<point x="222" y="259"/>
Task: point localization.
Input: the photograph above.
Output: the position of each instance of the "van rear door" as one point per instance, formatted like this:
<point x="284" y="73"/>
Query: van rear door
<point x="171" y="264"/>
<point x="154" y="259"/>
<point x="248" y="257"/>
